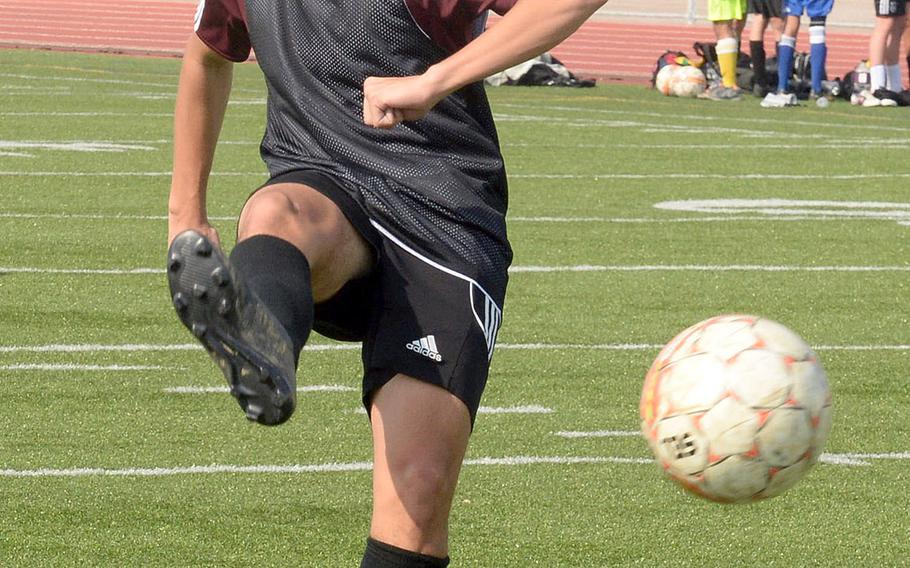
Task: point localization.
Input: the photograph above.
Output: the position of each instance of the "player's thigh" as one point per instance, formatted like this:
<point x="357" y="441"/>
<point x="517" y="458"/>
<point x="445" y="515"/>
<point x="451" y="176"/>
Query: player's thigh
<point x="723" y="10"/>
<point x="420" y="435"/>
<point x="819" y="8"/>
<point x="316" y="225"/>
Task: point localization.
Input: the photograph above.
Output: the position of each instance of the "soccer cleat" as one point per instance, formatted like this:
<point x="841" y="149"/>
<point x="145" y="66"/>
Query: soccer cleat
<point x="722" y="93"/>
<point x="867" y="99"/>
<point x="779" y="100"/>
<point x="246" y="341"/>
<point x="887" y="98"/>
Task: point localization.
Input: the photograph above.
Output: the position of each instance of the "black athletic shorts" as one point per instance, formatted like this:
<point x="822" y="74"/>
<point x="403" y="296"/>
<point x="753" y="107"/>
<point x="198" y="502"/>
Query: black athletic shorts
<point x="413" y="314"/>
<point x="767" y="8"/>
<point x="888" y="8"/>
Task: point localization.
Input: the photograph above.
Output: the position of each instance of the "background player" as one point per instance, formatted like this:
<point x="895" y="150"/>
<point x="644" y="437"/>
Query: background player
<point x="383" y="221"/>
<point x="727" y="18"/>
<point x="818" y="11"/>
<point x="885" y="53"/>
<point x="763" y="13"/>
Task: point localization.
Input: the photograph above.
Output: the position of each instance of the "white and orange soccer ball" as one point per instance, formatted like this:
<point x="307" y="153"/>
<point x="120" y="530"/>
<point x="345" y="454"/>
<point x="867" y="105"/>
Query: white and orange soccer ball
<point x="736" y="408"/>
<point x="687" y="81"/>
<point x="664" y="77"/>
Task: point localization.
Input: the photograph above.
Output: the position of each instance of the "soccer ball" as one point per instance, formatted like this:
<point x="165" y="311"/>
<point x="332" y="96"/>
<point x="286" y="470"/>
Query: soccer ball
<point x="736" y="408"/>
<point x="664" y="77"/>
<point x="687" y="81"/>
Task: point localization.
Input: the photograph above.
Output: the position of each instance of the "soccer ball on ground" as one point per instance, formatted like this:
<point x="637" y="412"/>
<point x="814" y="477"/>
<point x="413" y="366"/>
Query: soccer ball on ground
<point x="664" y="77"/>
<point x="687" y="81"/>
<point x="736" y="408"/>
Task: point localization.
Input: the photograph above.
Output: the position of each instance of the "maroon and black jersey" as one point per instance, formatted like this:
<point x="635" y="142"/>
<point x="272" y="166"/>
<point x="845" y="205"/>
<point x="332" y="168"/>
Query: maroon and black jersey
<point x="438" y="184"/>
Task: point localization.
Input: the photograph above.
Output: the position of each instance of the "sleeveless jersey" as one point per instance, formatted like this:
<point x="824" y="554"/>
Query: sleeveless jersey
<point x="438" y="184"/>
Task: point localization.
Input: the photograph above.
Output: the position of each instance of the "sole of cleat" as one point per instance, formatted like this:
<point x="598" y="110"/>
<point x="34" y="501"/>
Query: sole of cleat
<point x="204" y="297"/>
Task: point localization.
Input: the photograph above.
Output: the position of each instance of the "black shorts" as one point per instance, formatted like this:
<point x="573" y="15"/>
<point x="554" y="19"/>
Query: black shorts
<point x="889" y="8"/>
<point x="767" y="8"/>
<point x="414" y="314"/>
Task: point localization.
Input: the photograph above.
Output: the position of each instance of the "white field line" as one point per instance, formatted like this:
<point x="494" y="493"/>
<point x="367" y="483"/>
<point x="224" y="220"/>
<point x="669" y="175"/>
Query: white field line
<point x="593" y="176"/>
<point x="170" y="86"/>
<point x="300" y="468"/>
<point x="774" y="122"/>
<point x="164" y="347"/>
<point x="220" y="390"/>
<point x="73" y="367"/>
<point x="899" y="143"/>
<point x="16" y="155"/>
<point x="73" y="146"/>
<point x="598" y="434"/>
<point x="525" y="269"/>
<point x="785" y="216"/>
<point x="705" y="268"/>
<point x="335" y="467"/>
<point x="521" y="409"/>
<point x="87" y="114"/>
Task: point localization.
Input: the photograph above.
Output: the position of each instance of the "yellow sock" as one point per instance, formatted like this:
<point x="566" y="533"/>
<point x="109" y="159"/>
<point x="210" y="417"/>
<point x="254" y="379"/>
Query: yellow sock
<point x="726" y="58"/>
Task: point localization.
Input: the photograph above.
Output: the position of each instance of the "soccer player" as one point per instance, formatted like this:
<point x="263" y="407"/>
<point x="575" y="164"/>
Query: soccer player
<point x="764" y="13"/>
<point x="727" y="18"/>
<point x="885" y="53"/>
<point x="818" y="11"/>
<point x="383" y="221"/>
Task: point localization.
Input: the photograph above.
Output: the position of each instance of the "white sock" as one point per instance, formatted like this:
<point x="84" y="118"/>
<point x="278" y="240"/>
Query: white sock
<point x="894" y="78"/>
<point x="877" y="77"/>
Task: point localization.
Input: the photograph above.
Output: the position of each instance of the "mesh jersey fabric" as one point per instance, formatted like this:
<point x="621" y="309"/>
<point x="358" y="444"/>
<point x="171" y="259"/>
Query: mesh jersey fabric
<point x="438" y="184"/>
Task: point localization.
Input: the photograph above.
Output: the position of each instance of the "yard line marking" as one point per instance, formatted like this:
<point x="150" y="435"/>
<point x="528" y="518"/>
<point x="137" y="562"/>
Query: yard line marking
<point x="338" y="467"/>
<point x="527" y="269"/>
<point x="16" y="155"/>
<point x="101" y="348"/>
<point x="90" y="114"/>
<point x="702" y="118"/>
<point x="111" y="271"/>
<point x="73" y="146"/>
<point x="333" y="467"/>
<point x="73" y="367"/>
<point x="115" y="217"/>
<point x="698" y="176"/>
<point x="706" y="268"/>
<point x="119" y="174"/>
<point x="172" y="85"/>
<point x="524" y="409"/>
<point x="598" y="434"/>
<point x="785" y="217"/>
<point x="594" y="176"/>
<point x="211" y="390"/>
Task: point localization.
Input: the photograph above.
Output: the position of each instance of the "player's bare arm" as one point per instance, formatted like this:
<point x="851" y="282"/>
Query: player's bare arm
<point x="202" y="95"/>
<point x="528" y="29"/>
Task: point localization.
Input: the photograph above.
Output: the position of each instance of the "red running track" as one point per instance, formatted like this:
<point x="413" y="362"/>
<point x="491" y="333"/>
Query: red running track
<point x="611" y="50"/>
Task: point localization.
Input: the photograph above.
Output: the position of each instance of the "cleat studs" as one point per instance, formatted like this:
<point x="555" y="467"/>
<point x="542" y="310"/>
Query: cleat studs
<point x="180" y="302"/>
<point x="174" y="263"/>
<point x="220" y="277"/>
<point x="199" y="329"/>
<point x="200" y="292"/>
<point x="202" y="247"/>
<point x="224" y="307"/>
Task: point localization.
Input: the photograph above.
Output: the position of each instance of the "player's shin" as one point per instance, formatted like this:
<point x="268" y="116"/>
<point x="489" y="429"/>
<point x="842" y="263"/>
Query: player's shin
<point x="818" y="52"/>
<point x="279" y="274"/>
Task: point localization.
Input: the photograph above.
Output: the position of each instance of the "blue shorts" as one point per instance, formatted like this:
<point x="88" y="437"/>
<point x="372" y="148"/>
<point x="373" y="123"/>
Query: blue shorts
<point x="812" y="8"/>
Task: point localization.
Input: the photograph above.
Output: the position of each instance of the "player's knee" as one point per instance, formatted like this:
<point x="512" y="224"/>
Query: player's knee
<point x="267" y="210"/>
<point x="425" y="490"/>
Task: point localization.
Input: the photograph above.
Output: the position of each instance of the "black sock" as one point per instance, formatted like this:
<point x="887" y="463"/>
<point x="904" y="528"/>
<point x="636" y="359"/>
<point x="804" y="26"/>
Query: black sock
<point x="382" y="555"/>
<point x="279" y="275"/>
<point x="757" y="52"/>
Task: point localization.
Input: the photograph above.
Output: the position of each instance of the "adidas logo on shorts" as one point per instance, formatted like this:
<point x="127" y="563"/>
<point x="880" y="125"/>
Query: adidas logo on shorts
<point x="425" y="346"/>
